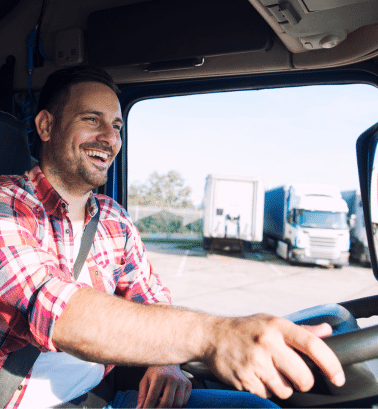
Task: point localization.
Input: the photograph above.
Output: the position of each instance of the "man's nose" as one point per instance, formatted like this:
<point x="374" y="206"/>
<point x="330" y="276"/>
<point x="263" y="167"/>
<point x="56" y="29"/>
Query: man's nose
<point x="108" y="135"/>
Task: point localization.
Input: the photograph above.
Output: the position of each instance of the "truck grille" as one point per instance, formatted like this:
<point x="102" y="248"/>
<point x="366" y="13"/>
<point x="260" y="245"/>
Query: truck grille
<point x="323" y="247"/>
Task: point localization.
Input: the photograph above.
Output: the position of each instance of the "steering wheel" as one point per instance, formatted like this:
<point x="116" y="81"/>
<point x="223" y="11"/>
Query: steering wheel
<point x="357" y="350"/>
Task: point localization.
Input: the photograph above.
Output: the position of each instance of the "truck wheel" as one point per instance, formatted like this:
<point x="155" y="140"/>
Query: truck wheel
<point x="289" y="258"/>
<point x="247" y="247"/>
<point x="207" y="243"/>
<point x="269" y="244"/>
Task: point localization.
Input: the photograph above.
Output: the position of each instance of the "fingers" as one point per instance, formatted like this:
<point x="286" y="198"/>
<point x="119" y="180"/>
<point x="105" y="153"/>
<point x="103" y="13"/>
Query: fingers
<point x="269" y="359"/>
<point x="175" y="395"/>
<point x="294" y="369"/>
<point x="266" y="383"/>
<point x="275" y="369"/>
<point x="168" y="397"/>
<point x="143" y="392"/>
<point x="187" y="392"/>
<point x="277" y="385"/>
<point x="150" y="391"/>
<point x="321" y="330"/>
<point x="312" y="346"/>
<point x="163" y="387"/>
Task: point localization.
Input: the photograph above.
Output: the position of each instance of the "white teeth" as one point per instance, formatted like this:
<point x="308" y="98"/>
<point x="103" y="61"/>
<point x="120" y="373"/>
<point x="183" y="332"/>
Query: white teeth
<point x="97" y="153"/>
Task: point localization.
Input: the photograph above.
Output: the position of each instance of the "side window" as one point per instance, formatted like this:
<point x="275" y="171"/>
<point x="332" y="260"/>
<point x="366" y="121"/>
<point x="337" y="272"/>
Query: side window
<point x="239" y="257"/>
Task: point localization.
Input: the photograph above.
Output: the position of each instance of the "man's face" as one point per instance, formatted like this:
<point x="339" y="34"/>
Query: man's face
<point x="86" y="139"/>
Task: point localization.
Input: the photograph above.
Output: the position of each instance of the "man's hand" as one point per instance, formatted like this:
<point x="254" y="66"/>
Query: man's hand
<point x="259" y="354"/>
<point x="164" y="387"/>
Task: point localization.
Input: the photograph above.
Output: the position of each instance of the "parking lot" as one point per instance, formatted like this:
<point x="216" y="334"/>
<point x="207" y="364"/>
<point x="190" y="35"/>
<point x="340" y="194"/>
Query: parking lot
<point x="232" y="285"/>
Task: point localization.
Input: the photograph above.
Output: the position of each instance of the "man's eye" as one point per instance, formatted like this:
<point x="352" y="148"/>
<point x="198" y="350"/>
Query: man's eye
<point x="118" y="127"/>
<point x="91" y="119"/>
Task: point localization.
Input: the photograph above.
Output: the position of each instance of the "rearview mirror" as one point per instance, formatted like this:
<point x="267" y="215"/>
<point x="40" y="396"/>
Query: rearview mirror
<point x="367" y="160"/>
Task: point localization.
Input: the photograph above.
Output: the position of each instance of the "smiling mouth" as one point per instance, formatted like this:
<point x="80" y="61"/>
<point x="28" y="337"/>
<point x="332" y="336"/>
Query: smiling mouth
<point x="97" y="155"/>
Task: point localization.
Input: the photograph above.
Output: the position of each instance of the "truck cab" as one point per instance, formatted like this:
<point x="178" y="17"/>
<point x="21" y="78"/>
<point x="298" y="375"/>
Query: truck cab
<point x="307" y="223"/>
<point x="156" y="49"/>
<point x="317" y="225"/>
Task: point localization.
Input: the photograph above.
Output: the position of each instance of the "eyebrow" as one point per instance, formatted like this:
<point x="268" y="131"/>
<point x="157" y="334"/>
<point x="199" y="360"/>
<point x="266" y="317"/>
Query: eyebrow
<point x="99" y="113"/>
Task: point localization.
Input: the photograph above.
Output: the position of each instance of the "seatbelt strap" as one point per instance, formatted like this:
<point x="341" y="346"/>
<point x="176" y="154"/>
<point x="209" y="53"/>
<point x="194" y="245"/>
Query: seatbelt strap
<point x="86" y="242"/>
<point x="19" y="363"/>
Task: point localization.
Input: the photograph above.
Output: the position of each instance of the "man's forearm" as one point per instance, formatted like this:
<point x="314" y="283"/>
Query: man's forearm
<point x="258" y="353"/>
<point x="98" y="327"/>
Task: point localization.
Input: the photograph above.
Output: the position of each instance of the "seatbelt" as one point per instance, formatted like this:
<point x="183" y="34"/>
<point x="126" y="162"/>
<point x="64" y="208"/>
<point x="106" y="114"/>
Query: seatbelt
<point x="19" y="363"/>
<point x="86" y="242"/>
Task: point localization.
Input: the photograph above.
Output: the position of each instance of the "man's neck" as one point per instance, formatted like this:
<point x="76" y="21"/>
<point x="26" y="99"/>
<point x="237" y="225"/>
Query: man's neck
<point x="76" y="199"/>
<point x="76" y="207"/>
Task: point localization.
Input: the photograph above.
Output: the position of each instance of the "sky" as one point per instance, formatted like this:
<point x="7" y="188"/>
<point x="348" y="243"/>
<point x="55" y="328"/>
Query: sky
<point x="283" y="136"/>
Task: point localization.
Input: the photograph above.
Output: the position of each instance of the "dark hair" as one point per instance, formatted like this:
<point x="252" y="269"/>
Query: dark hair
<point x="55" y="92"/>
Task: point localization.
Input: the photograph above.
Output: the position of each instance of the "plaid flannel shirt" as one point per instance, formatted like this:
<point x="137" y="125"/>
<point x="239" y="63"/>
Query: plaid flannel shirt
<point x="37" y="258"/>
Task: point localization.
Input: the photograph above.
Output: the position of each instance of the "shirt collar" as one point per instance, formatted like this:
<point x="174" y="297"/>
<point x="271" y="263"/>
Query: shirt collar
<point x="50" y="198"/>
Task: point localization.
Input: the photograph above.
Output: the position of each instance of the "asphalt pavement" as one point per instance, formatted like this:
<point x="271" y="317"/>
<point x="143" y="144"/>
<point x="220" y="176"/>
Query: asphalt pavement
<point x="232" y="284"/>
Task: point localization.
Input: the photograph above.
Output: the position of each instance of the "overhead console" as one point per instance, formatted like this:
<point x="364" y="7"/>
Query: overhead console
<point x="322" y="24"/>
<point x="172" y="34"/>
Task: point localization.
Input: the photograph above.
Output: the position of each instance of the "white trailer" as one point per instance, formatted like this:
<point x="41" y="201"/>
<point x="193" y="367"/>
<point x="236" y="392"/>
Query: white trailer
<point x="359" y="249"/>
<point x="307" y="224"/>
<point x="233" y="212"/>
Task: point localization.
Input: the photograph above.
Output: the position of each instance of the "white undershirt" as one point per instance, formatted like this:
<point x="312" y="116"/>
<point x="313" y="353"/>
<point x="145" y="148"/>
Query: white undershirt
<point x="58" y="377"/>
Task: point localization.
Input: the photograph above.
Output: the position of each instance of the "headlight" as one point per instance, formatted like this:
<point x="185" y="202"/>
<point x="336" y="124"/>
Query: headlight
<point x="300" y="239"/>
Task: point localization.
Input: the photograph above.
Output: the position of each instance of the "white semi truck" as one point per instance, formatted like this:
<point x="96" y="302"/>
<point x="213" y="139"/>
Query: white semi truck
<point x="307" y="223"/>
<point x="233" y="212"/>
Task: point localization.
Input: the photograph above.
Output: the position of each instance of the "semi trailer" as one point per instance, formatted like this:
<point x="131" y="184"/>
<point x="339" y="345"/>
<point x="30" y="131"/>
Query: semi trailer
<point x="233" y="212"/>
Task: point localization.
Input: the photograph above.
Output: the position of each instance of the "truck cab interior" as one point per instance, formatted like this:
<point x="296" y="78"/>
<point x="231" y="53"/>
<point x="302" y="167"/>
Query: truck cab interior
<point x="163" y="48"/>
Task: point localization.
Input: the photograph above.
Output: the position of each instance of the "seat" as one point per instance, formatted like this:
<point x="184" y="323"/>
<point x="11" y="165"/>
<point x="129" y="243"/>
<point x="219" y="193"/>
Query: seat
<point x="15" y="157"/>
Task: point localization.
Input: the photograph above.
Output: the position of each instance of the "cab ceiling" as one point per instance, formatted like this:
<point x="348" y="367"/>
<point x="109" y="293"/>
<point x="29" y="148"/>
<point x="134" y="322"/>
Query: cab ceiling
<point x="285" y="52"/>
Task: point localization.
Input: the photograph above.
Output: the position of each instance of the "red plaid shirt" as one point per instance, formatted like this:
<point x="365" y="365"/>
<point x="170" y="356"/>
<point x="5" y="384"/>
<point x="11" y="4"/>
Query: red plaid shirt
<point x="37" y="258"/>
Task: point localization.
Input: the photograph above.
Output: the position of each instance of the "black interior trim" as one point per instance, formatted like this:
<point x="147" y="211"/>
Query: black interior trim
<point x="171" y="30"/>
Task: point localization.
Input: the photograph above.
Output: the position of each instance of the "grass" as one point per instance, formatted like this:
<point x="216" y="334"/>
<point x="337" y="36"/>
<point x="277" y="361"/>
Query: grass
<point x="180" y="244"/>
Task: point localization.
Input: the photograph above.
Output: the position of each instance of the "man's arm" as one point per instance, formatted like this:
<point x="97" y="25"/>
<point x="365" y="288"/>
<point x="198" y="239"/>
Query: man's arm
<point x="256" y="353"/>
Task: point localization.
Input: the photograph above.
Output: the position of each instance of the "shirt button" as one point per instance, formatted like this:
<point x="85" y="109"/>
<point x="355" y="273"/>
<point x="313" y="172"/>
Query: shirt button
<point x="63" y="205"/>
<point x="20" y="387"/>
<point x="68" y="231"/>
<point x="96" y="272"/>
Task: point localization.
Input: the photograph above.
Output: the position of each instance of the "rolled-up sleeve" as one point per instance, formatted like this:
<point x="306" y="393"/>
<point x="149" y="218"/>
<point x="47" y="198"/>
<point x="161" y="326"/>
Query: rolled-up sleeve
<point x="138" y="282"/>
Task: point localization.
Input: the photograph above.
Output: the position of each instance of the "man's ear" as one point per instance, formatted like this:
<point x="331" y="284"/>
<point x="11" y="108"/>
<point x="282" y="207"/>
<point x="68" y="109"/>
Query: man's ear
<point x="44" y="122"/>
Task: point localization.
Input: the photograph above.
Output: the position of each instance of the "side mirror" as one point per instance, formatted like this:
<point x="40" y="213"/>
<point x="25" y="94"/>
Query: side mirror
<point x="367" y="160"/>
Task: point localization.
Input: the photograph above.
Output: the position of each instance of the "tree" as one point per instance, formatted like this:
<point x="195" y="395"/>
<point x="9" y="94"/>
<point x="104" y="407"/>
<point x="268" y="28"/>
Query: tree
<point x="161" y="222"/>
<point x="165" y="190"/>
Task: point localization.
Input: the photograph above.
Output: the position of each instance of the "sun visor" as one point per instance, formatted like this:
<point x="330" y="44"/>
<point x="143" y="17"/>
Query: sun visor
<point x="170" y="30"/>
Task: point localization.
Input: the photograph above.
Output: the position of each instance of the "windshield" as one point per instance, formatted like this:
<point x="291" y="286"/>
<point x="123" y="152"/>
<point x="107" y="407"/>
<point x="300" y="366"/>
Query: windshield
<point x="174" y="143"/>
<point x="321" y="220"/>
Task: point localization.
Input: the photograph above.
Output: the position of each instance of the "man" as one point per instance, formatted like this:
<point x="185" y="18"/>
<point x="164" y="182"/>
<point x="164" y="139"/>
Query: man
<point x="79" y="324"/>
